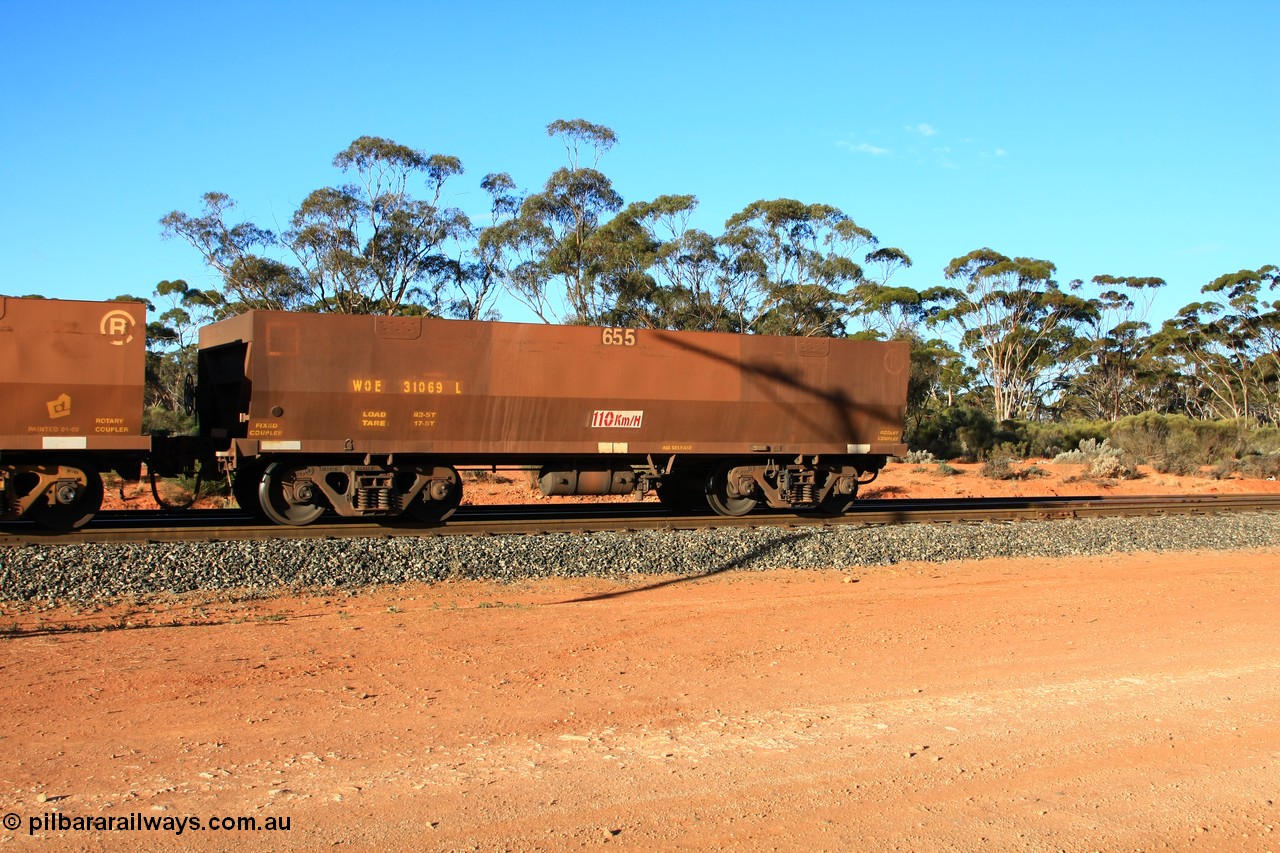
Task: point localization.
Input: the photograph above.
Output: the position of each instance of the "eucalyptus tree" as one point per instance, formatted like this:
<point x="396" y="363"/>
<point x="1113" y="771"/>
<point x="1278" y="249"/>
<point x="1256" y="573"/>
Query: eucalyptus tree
<point x="657" y="272"/>
<point x="480" y="278"/>
<point x="883" y="309"/>
<point x="623" y="255"/>
<point x="789" y="267"/>
<point x="372" y="246"/>
<point x="171" y="342"/>
<point x="939" y="376"/>
<point x="1116" y="367"/>
<point x="546" y="255"/>
<point x="1214" y="372"/>
<point x="1228" y="346"/>
<point x="250" y="277"/>
<point x="1014" y="320"/>
<point x="1250" y="313"/>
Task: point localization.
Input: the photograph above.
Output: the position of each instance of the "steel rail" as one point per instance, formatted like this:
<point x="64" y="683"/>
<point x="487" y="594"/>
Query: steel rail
<point x="225" y="525"/>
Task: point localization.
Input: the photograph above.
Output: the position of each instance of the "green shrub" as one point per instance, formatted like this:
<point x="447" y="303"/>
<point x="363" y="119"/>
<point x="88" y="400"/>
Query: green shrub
<point x="1182" y="453"/>
<point x="1222" y="470"/>
<point x="1088" y="450"/>
<point x="160" y="420"/>
<point x="1262" y="441"/>
<point x="1142" y="437"/>
<point x="1170" y="443"/>
<point x="1177" y="444"/>
<point x="999" y="469"/>
<point x="1260" y="467"/>
<point x="1047" y="440"/>
<point x="1111" y="466"/>
<point x="958" y="433"/>
<point x="1220" y="439"/>
<point x="1008" y="449"/>
<point x="1002" y="468"/>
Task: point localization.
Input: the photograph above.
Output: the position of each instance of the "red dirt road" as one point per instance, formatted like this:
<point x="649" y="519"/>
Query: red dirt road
<point x="1119" y="703"/>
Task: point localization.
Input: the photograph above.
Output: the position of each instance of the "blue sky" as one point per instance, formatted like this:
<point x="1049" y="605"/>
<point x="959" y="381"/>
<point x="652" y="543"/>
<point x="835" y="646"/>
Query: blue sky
<point x="1123" y="138"/>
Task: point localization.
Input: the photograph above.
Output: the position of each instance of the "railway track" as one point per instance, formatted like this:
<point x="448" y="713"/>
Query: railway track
<point x="230" y="525"/>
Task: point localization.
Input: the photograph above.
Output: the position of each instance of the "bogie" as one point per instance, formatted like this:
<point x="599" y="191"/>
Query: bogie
<point x="293" y="492"/>
<point x="62" y="495"/>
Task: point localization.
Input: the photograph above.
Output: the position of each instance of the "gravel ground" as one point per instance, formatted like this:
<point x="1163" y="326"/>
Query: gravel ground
<point x="93" y="573"/>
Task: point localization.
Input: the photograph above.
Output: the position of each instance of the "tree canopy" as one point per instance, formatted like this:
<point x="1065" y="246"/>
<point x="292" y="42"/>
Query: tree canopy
<point x="996" y="331"/>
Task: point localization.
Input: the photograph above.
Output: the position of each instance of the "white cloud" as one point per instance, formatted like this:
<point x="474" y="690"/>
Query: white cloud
<point x="864" y="148"/>
<point x="924" y="129"/>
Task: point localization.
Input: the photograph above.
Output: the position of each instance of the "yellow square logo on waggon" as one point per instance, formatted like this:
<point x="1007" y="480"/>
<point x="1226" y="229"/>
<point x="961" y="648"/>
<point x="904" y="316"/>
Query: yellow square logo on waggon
<point x="60" y="407"/>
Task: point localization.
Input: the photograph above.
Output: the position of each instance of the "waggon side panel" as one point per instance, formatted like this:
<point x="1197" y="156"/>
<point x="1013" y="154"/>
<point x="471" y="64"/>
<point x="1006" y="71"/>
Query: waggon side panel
<point x="72" y="376"/>
<point x="411" y="385"/>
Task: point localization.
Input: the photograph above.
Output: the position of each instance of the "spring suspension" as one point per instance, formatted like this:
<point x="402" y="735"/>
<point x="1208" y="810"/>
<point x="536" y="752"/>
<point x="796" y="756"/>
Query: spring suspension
<point x="373" y="499"/>
<point x="374" y="493"/>
<point x="797" y="486"/>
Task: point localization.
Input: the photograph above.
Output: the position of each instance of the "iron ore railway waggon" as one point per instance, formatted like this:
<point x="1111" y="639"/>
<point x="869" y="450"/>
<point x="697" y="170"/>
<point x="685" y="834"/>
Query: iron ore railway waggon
<point x="71" y="388"/>
<point x="373" y="416"/>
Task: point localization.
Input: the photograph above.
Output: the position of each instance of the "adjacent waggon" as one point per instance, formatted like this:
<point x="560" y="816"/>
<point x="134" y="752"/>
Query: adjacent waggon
<point x="374" y="416"/>
<point x="71" y="387"/>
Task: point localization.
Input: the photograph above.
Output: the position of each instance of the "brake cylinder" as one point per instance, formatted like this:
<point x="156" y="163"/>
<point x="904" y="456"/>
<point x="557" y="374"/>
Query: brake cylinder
<point x="593" y="481"/>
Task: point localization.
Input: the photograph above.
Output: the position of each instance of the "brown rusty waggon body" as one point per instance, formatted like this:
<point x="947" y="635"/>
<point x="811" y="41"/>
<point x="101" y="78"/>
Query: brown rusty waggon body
<point x="70" y="402"/>
<point x="373" y="415"/>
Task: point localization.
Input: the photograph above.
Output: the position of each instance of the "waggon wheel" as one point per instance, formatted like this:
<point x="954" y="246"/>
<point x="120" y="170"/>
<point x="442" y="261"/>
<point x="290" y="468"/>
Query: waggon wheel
<point x="722" y="501"/>
<point x="244" y="487"/>
<point x="437" y="501"/>
<point x="681" y="495"/>
<point x="286" y="499"/>
<point x="72" y="502"/>
<point x="838" y="504"/>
